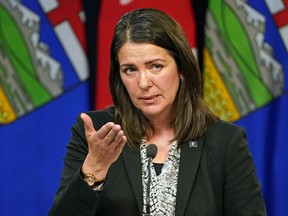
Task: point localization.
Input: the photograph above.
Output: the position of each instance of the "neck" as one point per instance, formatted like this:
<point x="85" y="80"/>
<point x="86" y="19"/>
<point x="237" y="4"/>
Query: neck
<point x="162" y="121"/>
<point x="162" y="139"/>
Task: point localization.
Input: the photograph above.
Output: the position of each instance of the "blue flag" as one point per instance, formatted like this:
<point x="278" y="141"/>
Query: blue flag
<point x="44" y="86"/>
<point x="245" y="78"/>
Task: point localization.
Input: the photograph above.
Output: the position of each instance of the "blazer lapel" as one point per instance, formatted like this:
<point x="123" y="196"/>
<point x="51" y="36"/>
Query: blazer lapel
<point x="132" y="163"/>
<point x="189" y="162"/>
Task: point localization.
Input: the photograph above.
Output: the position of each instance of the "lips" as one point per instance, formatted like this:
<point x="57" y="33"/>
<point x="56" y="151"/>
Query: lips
<point x="149" y="99"/>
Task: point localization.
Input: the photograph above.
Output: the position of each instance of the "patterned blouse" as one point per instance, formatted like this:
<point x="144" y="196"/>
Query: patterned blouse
<point x="163" y="187"/>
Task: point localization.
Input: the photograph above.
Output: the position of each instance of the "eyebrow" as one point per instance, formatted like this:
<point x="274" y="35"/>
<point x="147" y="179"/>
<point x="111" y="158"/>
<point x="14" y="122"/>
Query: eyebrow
<point x="146" y="63"/>
<point x="154" y="60"/>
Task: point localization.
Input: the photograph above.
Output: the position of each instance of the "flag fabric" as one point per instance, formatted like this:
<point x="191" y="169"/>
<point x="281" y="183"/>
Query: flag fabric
<point x="245" y="82"/>
<point x="44" y="85"/>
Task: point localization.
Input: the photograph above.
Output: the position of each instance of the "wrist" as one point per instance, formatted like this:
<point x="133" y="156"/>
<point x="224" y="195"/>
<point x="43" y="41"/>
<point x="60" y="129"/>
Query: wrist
<point x="89" y="166"/>
<point x="91" y="180"/>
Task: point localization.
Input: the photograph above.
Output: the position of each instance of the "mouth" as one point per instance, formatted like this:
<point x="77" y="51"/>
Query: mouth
<point x="149" y="99"/>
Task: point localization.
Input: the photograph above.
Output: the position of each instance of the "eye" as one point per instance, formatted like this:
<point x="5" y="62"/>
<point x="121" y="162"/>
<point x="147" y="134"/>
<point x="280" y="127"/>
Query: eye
<point x="156" y="67"/>
<point x="128" y="70"/>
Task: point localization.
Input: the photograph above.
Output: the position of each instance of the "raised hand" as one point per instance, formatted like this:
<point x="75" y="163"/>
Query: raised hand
<point x="104" y="146"/>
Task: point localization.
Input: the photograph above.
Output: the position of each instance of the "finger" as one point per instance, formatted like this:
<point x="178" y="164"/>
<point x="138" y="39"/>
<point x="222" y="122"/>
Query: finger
<point x="112" y="135"/>
<point x="105" y="130"/>
<point x="118" y="137"/>
<point x="88" y="124"/>
<point x="121" y="144"/>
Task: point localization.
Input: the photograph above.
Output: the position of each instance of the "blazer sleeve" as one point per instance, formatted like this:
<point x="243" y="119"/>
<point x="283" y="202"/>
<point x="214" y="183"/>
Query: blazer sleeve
<point x="74" y="196"/>
<point x="242" y="191"/>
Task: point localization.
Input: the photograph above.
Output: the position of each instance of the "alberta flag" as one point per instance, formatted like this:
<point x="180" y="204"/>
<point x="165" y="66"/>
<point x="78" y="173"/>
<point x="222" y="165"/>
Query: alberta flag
<point x="43" y="87"/>
<point x="245" y="81"/>
<point x="45" y="84"/>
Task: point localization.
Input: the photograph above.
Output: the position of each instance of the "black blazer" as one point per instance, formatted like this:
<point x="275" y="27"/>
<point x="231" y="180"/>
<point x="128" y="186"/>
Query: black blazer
<point x="239" y="194"/>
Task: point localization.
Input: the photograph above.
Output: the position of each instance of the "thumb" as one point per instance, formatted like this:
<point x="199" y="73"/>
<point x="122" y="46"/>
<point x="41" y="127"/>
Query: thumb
<point x="88" y="124"/>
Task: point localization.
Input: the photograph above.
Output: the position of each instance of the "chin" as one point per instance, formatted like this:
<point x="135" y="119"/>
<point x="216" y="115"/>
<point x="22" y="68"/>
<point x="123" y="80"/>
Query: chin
<point x="152" y="112"/>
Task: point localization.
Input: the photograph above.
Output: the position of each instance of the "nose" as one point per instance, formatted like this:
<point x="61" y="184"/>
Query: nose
<point x="145" y="80"/>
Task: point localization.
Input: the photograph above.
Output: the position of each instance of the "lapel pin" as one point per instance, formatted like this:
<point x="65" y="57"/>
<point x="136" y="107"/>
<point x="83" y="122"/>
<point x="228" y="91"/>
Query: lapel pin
<point x="193" y="144"/>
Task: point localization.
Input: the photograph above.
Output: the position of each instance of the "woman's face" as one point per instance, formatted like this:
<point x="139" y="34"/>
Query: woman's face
<point x="150" y="75"/>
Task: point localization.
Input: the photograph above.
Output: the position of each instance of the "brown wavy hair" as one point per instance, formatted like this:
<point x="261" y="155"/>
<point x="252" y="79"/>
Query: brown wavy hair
<point x="192" y="116"/>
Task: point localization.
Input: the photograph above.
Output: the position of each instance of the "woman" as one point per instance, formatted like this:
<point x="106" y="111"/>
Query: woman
<point x="203" y="165"/>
